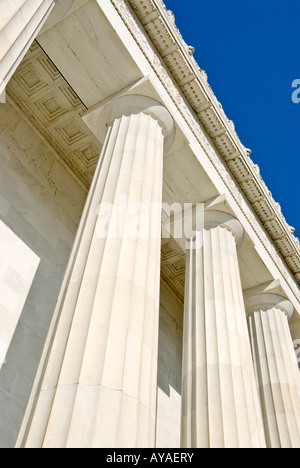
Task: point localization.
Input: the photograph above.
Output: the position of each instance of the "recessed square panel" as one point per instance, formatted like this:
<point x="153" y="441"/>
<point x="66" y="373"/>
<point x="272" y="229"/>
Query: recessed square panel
<point x="71" y="132"/>
<point x="51" y="107"/>
<point x="29" y="80"/>
<point x="70" y="95"/>
<point x="49" y="67"/>
<point x="89" y="155"/>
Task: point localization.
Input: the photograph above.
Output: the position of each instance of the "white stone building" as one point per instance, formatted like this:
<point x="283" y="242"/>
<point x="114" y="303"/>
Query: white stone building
<point x="145" y="339"/>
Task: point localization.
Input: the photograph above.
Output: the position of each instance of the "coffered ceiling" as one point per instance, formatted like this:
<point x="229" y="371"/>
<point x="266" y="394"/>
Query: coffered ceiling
<point x="52" y="106"/>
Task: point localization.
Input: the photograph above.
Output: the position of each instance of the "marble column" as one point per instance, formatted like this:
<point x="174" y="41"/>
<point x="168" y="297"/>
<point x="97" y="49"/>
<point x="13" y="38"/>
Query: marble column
<point x="20" y="23"/>
<point x="220" y="403"/>
<point x="99" y="382"/>
<point x="277" y="372"/>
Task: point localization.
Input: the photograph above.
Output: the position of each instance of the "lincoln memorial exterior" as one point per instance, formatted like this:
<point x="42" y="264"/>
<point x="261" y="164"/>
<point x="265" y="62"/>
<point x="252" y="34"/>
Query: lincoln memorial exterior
<point x="149" y="283"/>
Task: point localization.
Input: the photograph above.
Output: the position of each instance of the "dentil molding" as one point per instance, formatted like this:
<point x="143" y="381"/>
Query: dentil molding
<point x="204" y="114"/>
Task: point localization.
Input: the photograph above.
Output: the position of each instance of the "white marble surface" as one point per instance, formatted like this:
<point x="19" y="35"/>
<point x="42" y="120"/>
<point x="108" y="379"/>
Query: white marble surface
<point x="277" y="371"/>
<point x="103" y="360"/>
<point x="20" y="22"/>
<point x="43" y="233"/>
<point x="169" y="371"/>
<point x="220" y="403"/>
<point x="18" y="266"/>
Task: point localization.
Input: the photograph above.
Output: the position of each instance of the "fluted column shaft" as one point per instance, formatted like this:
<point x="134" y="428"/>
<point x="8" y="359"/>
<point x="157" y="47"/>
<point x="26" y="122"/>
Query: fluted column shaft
<point x="220" y="405"/>
<point x="276" y="368"/>
<point x="99" y="384"/>
<point x="20" y="23"/>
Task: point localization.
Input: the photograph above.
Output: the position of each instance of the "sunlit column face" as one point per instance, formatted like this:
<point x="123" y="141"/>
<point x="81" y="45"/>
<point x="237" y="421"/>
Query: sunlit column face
<point x="220" y="406"/>
<point x="277" y="372"/>
<point x="100" y="383"/>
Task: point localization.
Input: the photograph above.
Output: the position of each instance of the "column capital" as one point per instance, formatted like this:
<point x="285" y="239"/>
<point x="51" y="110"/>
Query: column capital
<point x="276" y="369"/>
<point x="92" y="379"/>
<point x="103" y="116"/>
<point x="202" y="219"/>
<point x="265" y="302"/>
<point x="214" y="219"/>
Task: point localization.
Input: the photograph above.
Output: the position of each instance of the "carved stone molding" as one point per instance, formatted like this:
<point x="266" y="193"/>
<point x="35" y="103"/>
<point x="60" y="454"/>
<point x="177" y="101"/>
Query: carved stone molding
<point x="50" y="103"/>
<point x="241" y="176"/>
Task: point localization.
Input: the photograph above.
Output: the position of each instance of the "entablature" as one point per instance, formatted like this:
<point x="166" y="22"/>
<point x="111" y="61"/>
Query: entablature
<point x="177" y="57"/>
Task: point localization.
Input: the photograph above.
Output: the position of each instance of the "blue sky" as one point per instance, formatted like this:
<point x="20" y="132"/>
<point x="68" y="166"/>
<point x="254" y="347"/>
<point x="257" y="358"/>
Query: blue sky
<point x="250" y="50"/>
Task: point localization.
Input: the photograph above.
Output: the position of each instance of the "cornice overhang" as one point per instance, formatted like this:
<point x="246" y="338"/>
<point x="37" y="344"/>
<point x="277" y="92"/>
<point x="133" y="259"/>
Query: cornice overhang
<point x="159" y="24"/>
